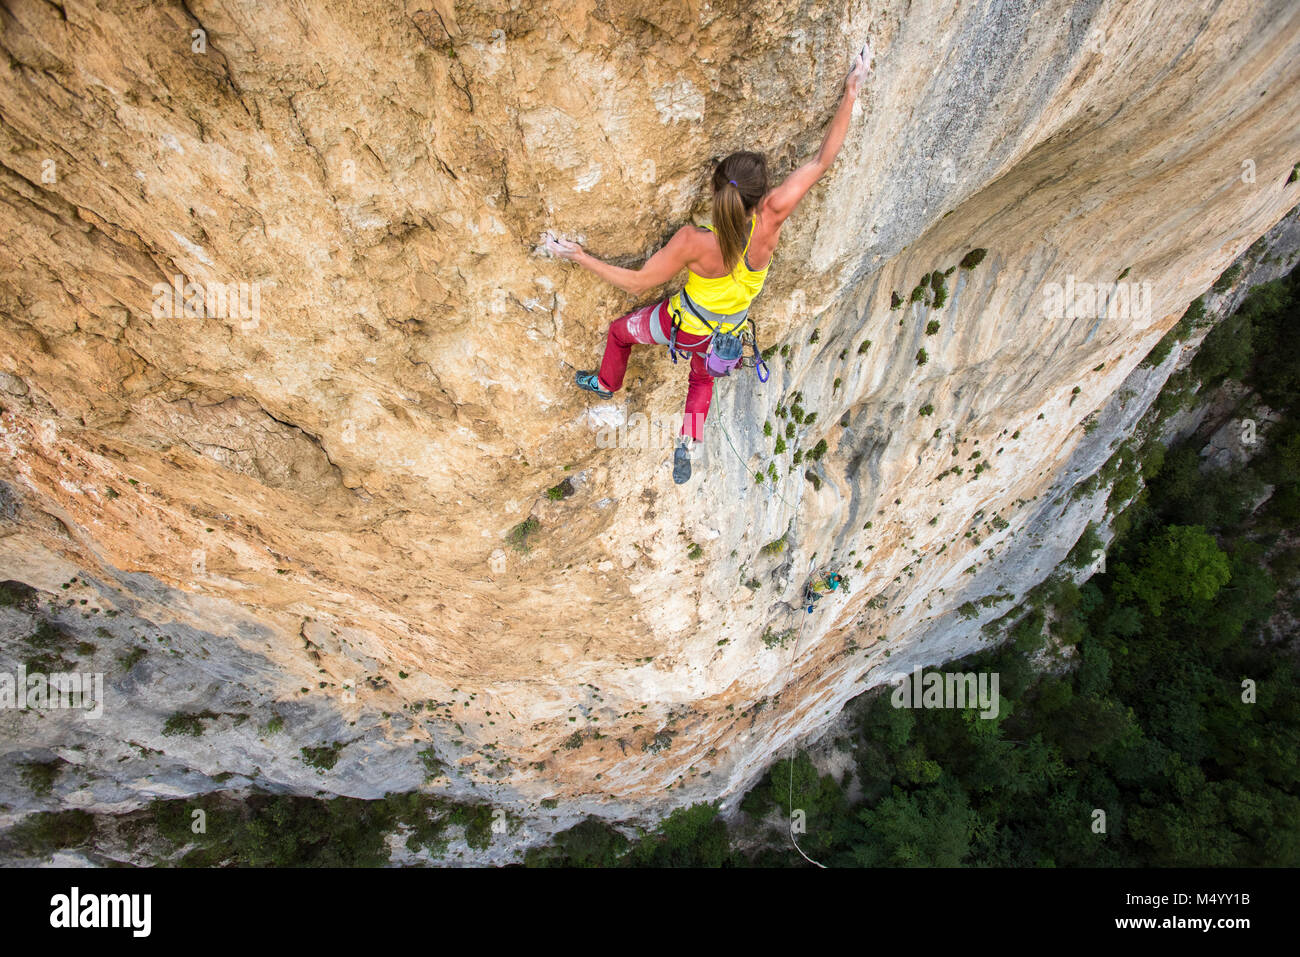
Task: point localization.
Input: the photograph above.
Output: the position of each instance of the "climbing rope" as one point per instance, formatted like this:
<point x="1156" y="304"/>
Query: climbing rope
<point x="790" y="791"/>
<point x="745" y="466"/>
<point x="793" y="658"/>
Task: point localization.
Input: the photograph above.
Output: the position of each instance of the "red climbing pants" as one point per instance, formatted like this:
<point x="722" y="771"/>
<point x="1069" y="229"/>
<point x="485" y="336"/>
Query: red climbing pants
<point x="651" y="325"/>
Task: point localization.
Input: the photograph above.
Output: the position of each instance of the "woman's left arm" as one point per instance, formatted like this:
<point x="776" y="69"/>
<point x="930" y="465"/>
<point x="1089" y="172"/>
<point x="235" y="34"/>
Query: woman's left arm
<point x="658" y="269"/>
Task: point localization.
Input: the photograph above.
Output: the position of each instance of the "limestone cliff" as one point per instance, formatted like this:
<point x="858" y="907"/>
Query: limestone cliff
<point x="330" y="508"/>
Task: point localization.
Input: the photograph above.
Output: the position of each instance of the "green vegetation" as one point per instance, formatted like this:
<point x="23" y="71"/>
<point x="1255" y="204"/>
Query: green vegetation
<point x="1227" y="278"/>
<point x="433" y="767"/>
<point x="922" y="357"/>
<point x="593" y="843"/>
<point x="864" y="346"/>
<point x="44" y="833"/>
<point x="695" y="552"/>
<point x="777" y="639"/>
<point x="662" y="741"/>
<point x="40" y="775"/>
<point x="689" y="837"/>
<point x="1085" y="549"/>
<point x="928" y="409"/>
<point x="1184" y="564"/>
<point x="932" y="327"/>
<point x="16" y="594"/>
<point x="940" y="289"/>
<point x="187" y="722"/>
<point x="265" y="830"/>
<point x="973" y="258"/>
<point x="774" y="547"/>
<point x="322" y="758"/>
<point x="46" y="647"/>
<point x="518" y="536"/>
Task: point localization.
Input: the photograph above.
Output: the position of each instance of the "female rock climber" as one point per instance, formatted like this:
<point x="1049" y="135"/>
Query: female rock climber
<point x="726" y="264"/>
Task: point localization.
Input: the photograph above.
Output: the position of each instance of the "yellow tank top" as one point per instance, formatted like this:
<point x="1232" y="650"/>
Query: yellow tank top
<point x="723" y="295"/>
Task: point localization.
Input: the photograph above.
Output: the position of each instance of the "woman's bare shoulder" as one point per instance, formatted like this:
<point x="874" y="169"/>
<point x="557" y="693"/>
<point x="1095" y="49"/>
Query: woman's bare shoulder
<point x="693" y="242"/>
<point x="693" y="233"/>
<point x="768" y="224"/>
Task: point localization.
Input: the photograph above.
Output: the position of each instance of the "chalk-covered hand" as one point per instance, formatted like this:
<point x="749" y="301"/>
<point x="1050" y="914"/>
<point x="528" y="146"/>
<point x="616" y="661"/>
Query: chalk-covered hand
<point x="562" y="248"/>
<point x="861" y="67"/>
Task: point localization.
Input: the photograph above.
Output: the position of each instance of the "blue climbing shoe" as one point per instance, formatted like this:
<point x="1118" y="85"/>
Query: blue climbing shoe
<point x="591" y="382"/>
<point x="681" y="463"/>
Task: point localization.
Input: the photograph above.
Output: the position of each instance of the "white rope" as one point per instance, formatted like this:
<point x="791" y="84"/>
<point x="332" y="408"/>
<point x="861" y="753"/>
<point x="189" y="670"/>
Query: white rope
<point x="790" y="793"/>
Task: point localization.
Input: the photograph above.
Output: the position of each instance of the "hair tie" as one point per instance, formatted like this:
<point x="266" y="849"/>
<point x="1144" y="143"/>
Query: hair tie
<point x="734" y="183"/>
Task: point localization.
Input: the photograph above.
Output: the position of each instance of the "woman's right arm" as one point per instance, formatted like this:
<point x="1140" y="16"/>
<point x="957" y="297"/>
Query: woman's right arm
<point x="780" y="203"/>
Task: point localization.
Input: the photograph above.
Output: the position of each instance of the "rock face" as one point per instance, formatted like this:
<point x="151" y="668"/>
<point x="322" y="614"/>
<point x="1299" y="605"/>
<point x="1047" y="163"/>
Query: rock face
<point x="329" y="492"/>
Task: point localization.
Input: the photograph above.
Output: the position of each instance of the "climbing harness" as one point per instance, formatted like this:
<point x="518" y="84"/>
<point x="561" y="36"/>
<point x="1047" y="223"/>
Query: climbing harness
<point x="813" y="594"/>
<point x="726" y="349"/>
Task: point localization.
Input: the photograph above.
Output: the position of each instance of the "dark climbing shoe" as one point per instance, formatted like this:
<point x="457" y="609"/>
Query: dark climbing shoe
<point x="681" y="464"/>
<point x="591" y="382"/>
